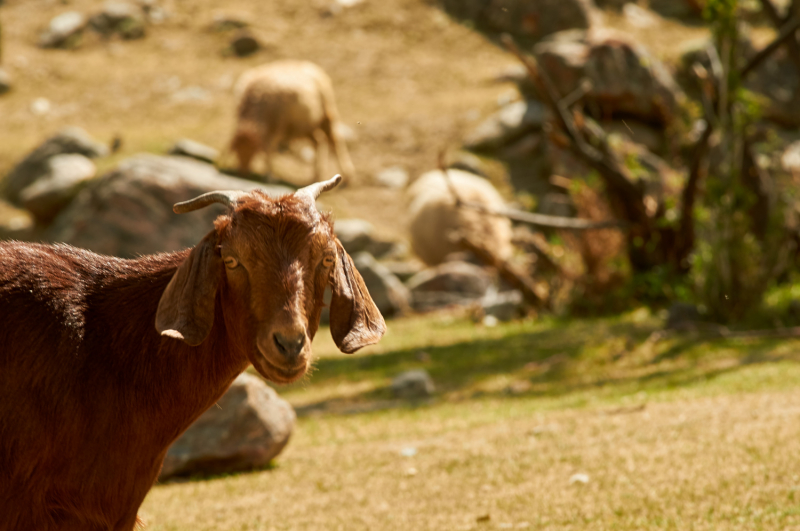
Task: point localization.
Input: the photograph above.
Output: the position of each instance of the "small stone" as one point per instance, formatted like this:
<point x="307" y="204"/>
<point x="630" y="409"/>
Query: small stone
<point x="191" y="93"/>
<point x="244" y="44"/>
<point x="580" y="479"/>
<point x="447" y="284"/>
<point x="41" y="106"/>
<point x="503" y="306"/>
<point x="64" y="31"/>
<point x="5" y="81"/>
<point x="682" y="314"/>
<point x="190" y="148"/>
<point x="507" y="125"/>
<point x="413" y="385"/>
<point x="228" y="22"/>
<point x="422" y="356"/>
<point x="395" y="177"/>
<point x="123" y="18"/>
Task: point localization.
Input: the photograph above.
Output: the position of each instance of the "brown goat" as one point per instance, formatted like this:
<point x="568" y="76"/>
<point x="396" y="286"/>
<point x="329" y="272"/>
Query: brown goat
<point x="282" y="101"/>
<point x="92" y="394"/>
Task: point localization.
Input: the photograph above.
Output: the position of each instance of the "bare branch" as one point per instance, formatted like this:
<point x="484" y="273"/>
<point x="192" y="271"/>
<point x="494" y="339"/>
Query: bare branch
<point x="778" y="23"/>
<point x="516" y="278"/>
<point x="544" y="220"/>
<point x="786" y="35"/>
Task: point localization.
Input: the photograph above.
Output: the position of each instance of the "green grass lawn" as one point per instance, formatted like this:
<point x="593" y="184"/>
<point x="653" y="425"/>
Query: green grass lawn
<point x="549" y="424"/>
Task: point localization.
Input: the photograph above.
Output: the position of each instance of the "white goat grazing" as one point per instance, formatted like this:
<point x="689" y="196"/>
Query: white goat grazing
<point x="435" y="218"/>
<point x="283" y="101"/>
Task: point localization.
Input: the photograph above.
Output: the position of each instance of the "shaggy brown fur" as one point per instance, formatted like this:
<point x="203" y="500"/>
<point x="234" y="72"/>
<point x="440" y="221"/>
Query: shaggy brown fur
<point x="282" y="101"/>
<point x="91" y="395"/>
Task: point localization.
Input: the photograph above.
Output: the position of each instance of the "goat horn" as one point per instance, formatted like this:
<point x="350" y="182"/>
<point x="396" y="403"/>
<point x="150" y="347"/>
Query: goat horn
<point x="228" y="198"/>
<point x="314" y="190"/>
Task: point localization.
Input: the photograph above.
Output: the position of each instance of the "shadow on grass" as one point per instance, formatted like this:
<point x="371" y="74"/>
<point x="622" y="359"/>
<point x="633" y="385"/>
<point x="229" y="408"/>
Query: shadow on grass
<point x="199" y="476"/>
<point x="566" y="358"/>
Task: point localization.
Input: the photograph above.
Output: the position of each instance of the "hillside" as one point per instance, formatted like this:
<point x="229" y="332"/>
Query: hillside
<point x="408" y="79"/>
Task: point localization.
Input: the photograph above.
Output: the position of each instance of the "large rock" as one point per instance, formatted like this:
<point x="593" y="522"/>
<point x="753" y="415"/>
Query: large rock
<point x="447" y="284"/>
<point x="191" y="148"/>
<point x="36" y="164"/>
<point x="389" y="294"/>
<point x="527" y="18"/>
<point x="128" y="211"/>
<point x="507" y="125"/>
<point x="626" y="80"/>
<point x="64" y="31"/>
<point x="48" y="195"/>
<point x="249" y="426"/>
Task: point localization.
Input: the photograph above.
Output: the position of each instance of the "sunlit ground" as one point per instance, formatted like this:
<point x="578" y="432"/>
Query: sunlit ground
<point x="562" y="425"/>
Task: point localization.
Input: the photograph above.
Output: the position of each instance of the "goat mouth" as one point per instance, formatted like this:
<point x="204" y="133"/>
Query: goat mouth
<point x="280" y="374"/>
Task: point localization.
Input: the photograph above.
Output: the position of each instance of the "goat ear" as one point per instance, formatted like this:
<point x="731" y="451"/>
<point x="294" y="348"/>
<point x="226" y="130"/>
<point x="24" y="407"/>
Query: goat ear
<point x="355" y="320"/>
<point x="186" y="308"/>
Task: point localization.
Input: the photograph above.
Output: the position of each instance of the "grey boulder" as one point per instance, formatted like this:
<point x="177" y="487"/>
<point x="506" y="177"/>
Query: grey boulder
<point x="508" y="124"/>
<point x="626" y="80"/>
<point x="447" y="284"/>
<point x="389" y="294"/>
<point x="36" y="164"/>
<point x="193" y="149"/>
<point x="128" y="211"/>
<point x="49" y="194"/>
<point x="245" y="430"/>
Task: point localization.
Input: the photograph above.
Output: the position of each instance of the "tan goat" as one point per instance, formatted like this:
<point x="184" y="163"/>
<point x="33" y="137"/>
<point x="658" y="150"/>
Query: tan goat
<point x="283" y="101"/>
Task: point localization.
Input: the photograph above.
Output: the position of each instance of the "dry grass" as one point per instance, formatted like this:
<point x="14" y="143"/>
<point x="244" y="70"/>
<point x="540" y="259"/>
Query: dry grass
<point x="676" y="435"/>
<point x="721" y="463"/>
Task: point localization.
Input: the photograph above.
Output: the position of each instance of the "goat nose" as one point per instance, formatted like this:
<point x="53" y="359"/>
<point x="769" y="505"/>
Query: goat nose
<point x="289" y="345"/>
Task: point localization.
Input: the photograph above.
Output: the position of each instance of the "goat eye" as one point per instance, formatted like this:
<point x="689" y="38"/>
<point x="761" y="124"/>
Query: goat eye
<point x="328" y="261"/>
<point x="231" y="262"/>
